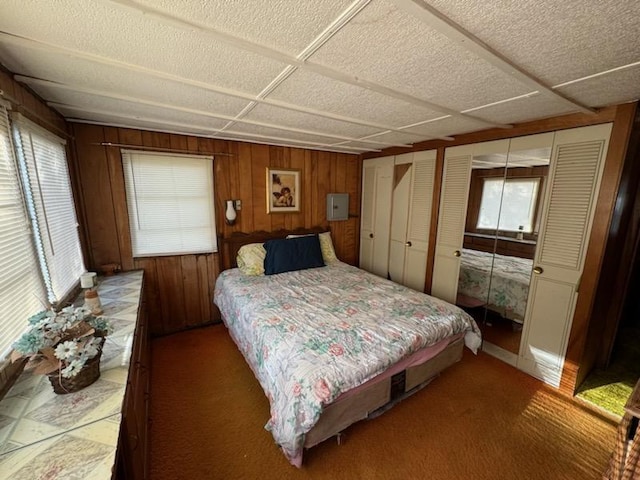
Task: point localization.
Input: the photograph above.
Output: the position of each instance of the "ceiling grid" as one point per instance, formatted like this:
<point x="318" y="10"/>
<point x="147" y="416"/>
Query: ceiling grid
<point x="337" y="75"/>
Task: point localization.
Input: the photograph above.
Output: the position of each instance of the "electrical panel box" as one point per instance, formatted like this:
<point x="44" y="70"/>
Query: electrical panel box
<point x="337" y="206"/>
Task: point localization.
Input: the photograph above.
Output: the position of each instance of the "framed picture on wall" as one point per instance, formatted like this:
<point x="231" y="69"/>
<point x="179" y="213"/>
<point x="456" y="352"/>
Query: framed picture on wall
<point x="283" y="190"/>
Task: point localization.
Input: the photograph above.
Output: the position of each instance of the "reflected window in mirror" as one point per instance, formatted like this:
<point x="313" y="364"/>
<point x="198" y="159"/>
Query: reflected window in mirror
<point x="508" y="205"/>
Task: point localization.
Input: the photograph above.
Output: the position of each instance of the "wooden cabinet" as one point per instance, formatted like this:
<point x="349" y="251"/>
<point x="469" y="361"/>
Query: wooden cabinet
<point x="133" y="448"/>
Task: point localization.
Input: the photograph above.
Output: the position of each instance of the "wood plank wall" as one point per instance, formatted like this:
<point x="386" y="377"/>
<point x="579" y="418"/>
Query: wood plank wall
<point x="179" y="289"/>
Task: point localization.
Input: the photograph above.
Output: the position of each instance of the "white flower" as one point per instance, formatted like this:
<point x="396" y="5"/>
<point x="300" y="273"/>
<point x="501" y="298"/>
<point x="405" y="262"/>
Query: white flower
<point x="72" y="369"/>
<point x="66" y="350"/>
<point x="90" y="350"/>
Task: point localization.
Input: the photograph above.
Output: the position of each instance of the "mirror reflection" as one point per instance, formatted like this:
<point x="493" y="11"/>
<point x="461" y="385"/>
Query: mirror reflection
<point x="503" y="218"/>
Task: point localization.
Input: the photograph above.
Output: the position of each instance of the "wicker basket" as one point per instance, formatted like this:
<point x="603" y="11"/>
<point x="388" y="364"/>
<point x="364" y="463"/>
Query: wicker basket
<point x="85" y="377"/>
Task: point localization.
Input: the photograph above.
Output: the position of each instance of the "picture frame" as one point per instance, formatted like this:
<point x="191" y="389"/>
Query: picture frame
<point x="283" y="190"/>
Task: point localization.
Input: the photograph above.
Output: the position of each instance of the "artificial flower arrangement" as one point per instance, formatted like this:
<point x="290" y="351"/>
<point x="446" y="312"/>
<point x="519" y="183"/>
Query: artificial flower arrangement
<point x="60" y="344"/>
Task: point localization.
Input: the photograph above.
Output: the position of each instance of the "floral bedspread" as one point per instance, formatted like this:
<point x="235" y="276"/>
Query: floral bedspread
<point x="312" y="334"/>
<point x="509" y="287"/>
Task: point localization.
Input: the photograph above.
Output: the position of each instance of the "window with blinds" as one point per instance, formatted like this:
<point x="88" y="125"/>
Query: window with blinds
<point x="22" y="292"/>
<point x="45" y="179"/>
<point x="170" y="203"/>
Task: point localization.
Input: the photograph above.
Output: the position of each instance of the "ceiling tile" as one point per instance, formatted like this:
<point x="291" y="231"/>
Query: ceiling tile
<point x="448" y="126"/>
<point x="555" y="41"/>
<point x="394" y="138"/>
<point x="281" y="134"/>
<point x="96" y="103"/>
<point x="289" y="118"/>
<point x="294" y="144"/>
<point x="523" y="110"/>
<point x="598" y="91"/>
<point x="110" y="31"/>
<point x="390" y="47"/>
<point x="318" y="92"/>
<point x="79" y="73"/>
<point x="116" y="121"/>
<point x="286" y="25"/>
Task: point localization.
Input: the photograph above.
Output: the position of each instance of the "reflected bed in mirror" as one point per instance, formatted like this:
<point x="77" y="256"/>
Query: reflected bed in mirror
<point x="505" y="289"/>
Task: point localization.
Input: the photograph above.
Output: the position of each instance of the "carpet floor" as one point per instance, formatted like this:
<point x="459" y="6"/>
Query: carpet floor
<point x="481" y="419"/>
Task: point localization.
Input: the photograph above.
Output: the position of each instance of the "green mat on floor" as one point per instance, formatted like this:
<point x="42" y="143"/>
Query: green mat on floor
<point x="611" y="387"/>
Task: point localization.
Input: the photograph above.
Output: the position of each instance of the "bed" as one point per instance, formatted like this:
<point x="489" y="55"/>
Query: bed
<point x="335" y="344"/>
<point x="504" y="291"/>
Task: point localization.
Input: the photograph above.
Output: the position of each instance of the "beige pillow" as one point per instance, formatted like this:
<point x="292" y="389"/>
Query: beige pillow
<point x="250" y="259"/>
<point x="326" y="245"/>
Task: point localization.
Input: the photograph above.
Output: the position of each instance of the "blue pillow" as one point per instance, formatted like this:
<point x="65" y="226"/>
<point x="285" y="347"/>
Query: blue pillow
<point x="288" y="255"/>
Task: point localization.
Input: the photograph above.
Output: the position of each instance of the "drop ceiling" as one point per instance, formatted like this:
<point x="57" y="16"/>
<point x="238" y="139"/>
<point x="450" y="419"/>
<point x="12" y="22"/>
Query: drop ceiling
<point x="336" y="75"/>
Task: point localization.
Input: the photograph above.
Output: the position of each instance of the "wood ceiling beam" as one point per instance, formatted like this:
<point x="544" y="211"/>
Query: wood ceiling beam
<point x="443" y="24"/>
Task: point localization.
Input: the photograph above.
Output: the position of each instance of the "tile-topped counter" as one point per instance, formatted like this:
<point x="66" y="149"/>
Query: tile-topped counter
<point x="45" y="435"/>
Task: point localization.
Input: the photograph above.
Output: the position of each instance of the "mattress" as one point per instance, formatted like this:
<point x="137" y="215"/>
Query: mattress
<point x="312" y="335"/>
<point x="500" y="281"/>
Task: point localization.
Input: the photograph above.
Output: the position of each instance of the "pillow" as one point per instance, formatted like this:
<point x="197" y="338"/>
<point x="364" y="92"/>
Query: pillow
<point x="250" y="259"/>
<point x="326" y="245"/>
<point x="288" y="255"/>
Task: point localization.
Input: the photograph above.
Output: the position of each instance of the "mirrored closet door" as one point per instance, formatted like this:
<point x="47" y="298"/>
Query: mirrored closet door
<point x="509" y="207"/>
<point x="529" y="223"/>
<point x="500" y="226"/>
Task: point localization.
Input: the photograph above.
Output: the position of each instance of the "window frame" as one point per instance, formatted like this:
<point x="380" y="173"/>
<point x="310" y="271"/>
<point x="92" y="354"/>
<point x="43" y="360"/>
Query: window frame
<point x="131" y="155"/>
<point x="534" y="211"/>
<point x="42" y="237"/>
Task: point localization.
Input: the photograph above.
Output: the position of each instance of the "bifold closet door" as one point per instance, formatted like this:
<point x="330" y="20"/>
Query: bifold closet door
<point x="576" y="167"/>
<point x="411" y="218"/>
<point x="451" y="221"/>
<point x="377" y="185"/>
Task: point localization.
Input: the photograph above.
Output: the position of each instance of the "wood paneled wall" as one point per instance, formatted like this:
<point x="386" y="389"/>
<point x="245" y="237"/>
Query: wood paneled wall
<point x="179" y="289"/>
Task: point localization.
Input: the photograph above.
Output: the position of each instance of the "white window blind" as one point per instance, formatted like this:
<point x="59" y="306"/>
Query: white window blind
<point x="22" y="293"/>
<point x="170" y="203"/>
<point x="46" y="181"/>
<point x="508" y="205"/>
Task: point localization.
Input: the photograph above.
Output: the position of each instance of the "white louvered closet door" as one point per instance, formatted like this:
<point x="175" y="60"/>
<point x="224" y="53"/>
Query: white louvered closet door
<point x="419" y="222"/>
<point x="576" y="168"/>
<point x="451" y="220"/>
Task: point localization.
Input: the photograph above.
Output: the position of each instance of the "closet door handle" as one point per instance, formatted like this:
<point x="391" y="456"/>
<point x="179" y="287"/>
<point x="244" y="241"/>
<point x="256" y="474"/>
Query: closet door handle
<point x="538" y="270"/>
<point x="408" y="244"/>
<point x="371" y="235"/>
<point x="457" y="253"/>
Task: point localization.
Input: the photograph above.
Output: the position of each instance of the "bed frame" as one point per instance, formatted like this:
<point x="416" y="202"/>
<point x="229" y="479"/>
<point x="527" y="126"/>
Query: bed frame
<point x="376" y="397"/>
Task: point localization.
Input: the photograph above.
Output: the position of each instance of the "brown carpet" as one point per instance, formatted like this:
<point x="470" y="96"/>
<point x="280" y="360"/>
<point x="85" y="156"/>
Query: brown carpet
<point x="481" y="419"/>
